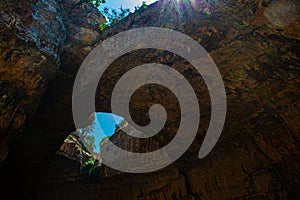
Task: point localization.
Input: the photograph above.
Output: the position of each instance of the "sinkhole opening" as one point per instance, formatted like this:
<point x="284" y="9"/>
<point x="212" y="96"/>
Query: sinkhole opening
<point x="84" y="145"/>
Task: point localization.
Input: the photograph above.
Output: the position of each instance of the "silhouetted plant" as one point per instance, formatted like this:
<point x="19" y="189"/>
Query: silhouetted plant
<point x="143" y="6"/>
<point x="87" y="165"/>
<point x="97" y="3"/>
<point x="115" y="15"/>
<point x="89" y="169"/>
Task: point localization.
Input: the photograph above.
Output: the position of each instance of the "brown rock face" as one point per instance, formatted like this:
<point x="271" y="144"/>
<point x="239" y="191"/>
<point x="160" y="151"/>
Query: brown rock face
<point x="82" y="24"/>
<point x="39" y="39"/>
<point x="32" y="34"/>
<point x="257" y="156"/>
<point x="36" y="37"/>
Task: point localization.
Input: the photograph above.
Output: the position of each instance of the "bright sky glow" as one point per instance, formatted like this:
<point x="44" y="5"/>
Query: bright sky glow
<point x="125" y="3"/>
<point x="105" y="126"/>
<point x="105" y="122"/>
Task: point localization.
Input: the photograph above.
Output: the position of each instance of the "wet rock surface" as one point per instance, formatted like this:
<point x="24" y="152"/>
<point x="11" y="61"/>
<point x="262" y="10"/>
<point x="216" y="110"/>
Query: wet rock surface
<point x="257" y="156"/>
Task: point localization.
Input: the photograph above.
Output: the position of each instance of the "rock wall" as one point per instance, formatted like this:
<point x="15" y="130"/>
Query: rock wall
<point x="38" y="39"/>
<point x="74" y="149"/>
<point x="257" y="156"/>
<point x="32" y="34"/>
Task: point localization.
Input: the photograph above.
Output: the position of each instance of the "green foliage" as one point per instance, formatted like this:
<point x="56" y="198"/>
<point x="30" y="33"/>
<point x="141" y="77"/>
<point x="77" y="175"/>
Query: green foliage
<point x="102" y="27"/>
<point x="115" y="15"/>
<point x="97" y="3"/>
<point x="90" y="170"/>
<point x="87" y="166"/>
<point x="143" y="6"/>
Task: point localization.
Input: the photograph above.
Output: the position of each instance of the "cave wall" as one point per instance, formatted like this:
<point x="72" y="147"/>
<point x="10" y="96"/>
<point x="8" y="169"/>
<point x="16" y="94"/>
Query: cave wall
<point x="32" y="34"/>
<point x="39" y="39"/>
<point x="257" y="156"/>
<point x="40" y="42"/>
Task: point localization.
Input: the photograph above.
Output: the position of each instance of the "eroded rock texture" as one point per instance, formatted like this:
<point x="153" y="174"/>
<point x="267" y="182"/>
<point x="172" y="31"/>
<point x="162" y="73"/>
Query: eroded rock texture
<point x="36" y="37"/>
<point x="257" y="156"/>
<point x="39" y="40"/>
<point x="31" y="35"/>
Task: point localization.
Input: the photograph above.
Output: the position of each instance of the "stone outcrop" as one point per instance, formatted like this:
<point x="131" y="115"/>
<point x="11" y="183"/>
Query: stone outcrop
<point x="74" y="149"/>
<point x="257" y="156"/>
